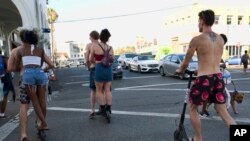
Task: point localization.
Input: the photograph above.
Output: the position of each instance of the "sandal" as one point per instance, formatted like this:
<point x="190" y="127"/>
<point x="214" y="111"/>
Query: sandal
<point x="92" y="115"/>
<point x="191" y="139"/>
<point x="24" y="139"/>
<point x="40" y="129"/>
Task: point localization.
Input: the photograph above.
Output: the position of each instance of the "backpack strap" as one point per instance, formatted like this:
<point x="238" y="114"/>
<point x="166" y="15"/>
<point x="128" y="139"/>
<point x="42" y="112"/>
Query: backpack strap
<point x="104" y="49"/>
<point x="101" y="47"/>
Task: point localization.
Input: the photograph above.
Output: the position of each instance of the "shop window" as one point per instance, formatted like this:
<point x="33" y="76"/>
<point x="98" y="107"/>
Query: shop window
<point x="229" y="19"/>
<point x="240" y="19"/>
<point x="217" y="18"/>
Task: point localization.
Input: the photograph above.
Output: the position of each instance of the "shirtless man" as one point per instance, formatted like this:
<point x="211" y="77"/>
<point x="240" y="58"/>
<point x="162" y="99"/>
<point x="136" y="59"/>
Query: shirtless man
<point x="209" y="84"/>
<point x="94" y="36"/>
<point x="24" y="99"/>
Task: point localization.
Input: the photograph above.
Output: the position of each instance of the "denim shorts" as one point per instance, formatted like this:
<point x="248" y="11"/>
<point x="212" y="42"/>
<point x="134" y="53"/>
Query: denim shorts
<point x="102" y="73"/>
<point x="34" y="76"/>
<point x="92" y="79"/>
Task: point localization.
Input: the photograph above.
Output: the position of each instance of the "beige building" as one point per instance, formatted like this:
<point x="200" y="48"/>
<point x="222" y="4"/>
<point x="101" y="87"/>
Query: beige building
<point x="72" y="50"/>
<point x="231" y="19"/>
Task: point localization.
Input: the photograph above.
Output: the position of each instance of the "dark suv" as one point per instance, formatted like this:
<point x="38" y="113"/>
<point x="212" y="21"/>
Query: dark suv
<point x="117" y="69"/>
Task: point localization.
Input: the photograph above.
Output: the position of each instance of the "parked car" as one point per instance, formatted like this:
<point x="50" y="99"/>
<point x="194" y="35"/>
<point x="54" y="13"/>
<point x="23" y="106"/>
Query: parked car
<point x="73" y="63"/>
<point x="63" y="64"/>
<point x="235" y="60"/>
<point x="125" y="58"/>
<point x="144" y="63"/>
<point x="170" y="63"/>
<point x="81" y="61"/>
<point x="117" y="69"/>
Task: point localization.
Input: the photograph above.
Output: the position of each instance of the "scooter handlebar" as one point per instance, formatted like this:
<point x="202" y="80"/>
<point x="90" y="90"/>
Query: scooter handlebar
<point x="190" y="72"/>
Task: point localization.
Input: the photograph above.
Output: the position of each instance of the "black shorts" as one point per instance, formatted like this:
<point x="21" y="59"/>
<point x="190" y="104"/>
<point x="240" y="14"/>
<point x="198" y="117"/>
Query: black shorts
<point x="92" y="79"/>
<point x="208" y="88"/>
<point x="245" y="65"/>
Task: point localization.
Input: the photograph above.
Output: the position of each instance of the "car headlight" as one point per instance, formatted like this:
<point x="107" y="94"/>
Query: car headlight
<point x="143" y="65"/>
<point x="119" y="67"/>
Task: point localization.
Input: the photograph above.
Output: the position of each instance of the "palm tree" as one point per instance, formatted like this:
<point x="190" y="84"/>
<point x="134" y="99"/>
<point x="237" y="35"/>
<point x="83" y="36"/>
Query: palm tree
<point x="53" y="16"/>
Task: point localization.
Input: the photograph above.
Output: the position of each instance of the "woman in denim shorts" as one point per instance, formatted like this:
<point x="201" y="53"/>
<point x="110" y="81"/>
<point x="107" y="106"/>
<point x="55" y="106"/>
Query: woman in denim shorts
<point x="34" y="79"/>
<point x="103" y="74"/>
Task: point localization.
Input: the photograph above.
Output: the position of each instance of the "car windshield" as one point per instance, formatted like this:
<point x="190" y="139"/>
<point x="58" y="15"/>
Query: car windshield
<point x="194" y="58"/>
<point x="145" y="58"/>
<point x="235" y="57"/>
<point x="115" y="60"/>
<point x="130" y="55"/>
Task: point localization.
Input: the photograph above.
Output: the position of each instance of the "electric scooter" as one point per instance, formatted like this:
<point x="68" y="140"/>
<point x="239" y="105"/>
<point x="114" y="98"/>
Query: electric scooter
<point x="180" y="133"/>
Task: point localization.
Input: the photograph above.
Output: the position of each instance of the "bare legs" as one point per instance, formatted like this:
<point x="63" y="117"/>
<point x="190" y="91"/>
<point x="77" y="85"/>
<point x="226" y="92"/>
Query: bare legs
<point x="222" y="111"/>
<point x="99" y="92"/>
<point x="92" y="100"/>
<point x="104" y="93"/>
<point x="23" y="117"/>
<point x="196" y="123"/>
<point x="38" y="103"/>
<point x="107" y="93"/>
<point x="3" y="105"/>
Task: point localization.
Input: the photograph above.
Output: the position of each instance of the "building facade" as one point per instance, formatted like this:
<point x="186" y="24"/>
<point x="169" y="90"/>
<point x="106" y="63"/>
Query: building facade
<point x="231" y="19"/>
<point x="76" y="51"/>
<point x="23" y="14"/>
<point x="70" y="50"/>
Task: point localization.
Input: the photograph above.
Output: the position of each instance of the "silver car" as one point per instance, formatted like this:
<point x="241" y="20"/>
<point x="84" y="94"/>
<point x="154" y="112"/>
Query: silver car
<point x="171" y="62"/>
<point x="143" y="63"/>
<point x="125" y="58"/>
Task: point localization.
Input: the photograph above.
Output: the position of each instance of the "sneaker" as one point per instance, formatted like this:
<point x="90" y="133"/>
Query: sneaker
<point x="206" y="113"/>
<point x="92" y="115"/>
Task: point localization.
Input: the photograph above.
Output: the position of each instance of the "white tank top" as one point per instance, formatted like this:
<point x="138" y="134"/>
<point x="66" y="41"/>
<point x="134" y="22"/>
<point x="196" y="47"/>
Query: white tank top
<point x="31" y="60"/>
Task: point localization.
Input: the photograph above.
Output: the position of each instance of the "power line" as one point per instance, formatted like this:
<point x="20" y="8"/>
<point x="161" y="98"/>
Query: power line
<point x="125" y="15"/>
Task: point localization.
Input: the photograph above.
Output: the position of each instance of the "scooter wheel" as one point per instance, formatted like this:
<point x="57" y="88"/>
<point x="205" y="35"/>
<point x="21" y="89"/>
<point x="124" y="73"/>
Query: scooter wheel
<point x="180" y="135"/>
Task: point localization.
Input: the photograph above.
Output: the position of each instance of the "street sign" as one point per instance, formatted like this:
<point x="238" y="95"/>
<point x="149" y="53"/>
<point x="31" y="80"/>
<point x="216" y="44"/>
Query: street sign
<point x="46" y="30"/>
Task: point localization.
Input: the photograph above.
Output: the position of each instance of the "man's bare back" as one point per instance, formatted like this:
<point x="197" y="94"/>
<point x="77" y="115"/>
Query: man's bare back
<point x="209" y="48"/>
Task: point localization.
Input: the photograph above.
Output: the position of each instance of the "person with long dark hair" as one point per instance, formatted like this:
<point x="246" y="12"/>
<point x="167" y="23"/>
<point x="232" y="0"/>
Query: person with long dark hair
<point x="103" y="73"/>
<point x="31" y="57"/>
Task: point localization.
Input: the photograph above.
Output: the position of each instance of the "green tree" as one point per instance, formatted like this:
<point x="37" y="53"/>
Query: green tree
<point x="164" y="50"/>
<point x="52" y="14"/>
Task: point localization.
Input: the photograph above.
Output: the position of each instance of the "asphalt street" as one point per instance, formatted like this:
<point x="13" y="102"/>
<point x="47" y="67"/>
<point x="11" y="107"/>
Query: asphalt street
<point x="146" y="107"/>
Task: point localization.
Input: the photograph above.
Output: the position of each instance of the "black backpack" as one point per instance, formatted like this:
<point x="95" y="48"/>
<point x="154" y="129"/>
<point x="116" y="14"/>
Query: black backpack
<point x="107" y="59"/>
<point x="244" y="59"/>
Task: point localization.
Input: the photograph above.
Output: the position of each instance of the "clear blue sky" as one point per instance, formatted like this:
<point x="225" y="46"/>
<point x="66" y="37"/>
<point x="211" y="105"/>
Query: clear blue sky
<point x="124" y="30"/>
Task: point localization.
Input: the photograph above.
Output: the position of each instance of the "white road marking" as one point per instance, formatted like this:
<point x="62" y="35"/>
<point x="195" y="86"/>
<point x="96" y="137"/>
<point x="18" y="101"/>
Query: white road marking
<point x="241" y="79"/>
<point x="165" y="89"/>
<point x="140" y="77"/>
<point x="237" y="71"/>
<point x="242" y="120"/>
<point x="80" y="76"/>
<point x="77" y="82"/>
<point x="85" y="85"/>
<point x="8" y="127"/>
<point x="143" y="86"/>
